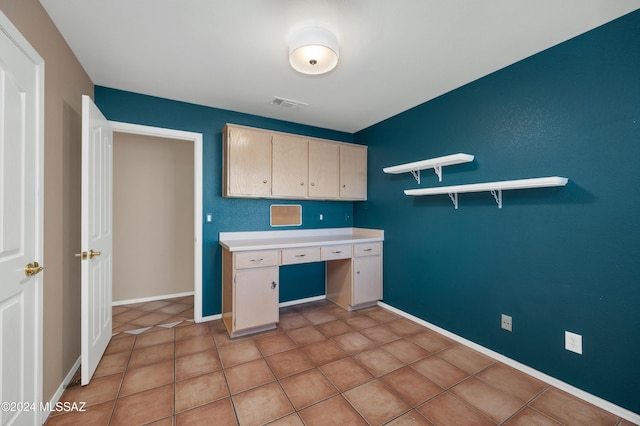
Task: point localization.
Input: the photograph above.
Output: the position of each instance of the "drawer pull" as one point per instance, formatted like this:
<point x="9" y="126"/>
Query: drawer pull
<point x="337" y="252"/>
<point x="369" y="249"/>
<point x="257" y="260"/>
<point x="273" y="284"/>
<point x="300" y="255"/>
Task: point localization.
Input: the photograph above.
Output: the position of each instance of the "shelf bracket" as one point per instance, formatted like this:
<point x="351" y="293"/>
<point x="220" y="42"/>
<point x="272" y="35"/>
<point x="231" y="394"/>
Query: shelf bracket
<point x="438" y="169"/>
<point x="497" y="194"/>
<point x="454" y="199"/>
<point x="416" y="174"/>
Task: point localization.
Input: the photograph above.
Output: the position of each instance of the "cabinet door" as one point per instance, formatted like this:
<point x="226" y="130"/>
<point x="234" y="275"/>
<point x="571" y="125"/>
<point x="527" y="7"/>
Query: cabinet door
<point x="247" y="168"/>
<point x="289" y="166"/>
<point x="367" y="279"/>
<point x="324" y="169"/>
<point x="256" y="297"/>
<point x="353" y="172"/>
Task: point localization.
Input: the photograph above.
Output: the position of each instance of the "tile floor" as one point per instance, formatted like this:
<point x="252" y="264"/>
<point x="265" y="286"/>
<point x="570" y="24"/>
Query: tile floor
<point x="322" y="366"/>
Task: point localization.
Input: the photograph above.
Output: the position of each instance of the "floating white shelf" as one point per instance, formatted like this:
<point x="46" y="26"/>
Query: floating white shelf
<point x="432" y="163"/>
<point x="495" y="188"/>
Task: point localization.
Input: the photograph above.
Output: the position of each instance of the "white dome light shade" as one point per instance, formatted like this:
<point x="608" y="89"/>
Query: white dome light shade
<point x="313" y="51"/>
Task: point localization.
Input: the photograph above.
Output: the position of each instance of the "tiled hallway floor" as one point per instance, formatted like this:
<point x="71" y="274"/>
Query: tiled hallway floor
<point x="322" y="366"/>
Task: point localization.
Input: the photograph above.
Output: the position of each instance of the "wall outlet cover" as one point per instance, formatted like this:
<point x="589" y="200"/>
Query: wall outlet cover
<point x="507" y="322"/>
<point x="573" y="342"/>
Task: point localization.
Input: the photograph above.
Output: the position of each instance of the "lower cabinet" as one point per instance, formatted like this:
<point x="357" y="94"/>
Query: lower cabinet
<point x="250" y="281"/>
<point x="256" y="297"/>
<point x="357" y="282"/>
<point x="250" y="291"/>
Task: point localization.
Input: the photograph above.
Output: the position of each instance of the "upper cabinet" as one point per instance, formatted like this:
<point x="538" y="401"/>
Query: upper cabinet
<point x="247" y="163"/>
<point x="263" y="164"/>
<point x="324" y="169"/>
<point x="288" y="166"/>
<point x="353" y="172"/>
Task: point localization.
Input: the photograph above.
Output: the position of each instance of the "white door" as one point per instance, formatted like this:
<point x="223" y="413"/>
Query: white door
<point x="97" y="196"/>
<point x="21" y="108"/>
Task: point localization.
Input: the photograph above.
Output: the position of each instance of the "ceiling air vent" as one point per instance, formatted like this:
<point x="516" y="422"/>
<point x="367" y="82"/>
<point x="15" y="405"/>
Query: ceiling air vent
<point x="288" y="103"/>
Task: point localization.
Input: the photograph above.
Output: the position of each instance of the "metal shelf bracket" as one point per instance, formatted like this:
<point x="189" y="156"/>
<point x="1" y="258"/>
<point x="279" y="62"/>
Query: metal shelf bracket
<point x="454" y="199"/>
<point x="416" y="174"/>
<point x="497" y="195"/>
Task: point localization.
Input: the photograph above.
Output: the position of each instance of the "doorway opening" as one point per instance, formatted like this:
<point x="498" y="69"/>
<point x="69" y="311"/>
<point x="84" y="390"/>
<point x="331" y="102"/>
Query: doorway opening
<point x="158" y="263"/>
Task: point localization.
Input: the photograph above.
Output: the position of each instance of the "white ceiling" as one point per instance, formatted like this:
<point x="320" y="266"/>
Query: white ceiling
<point x="394" y="55"/>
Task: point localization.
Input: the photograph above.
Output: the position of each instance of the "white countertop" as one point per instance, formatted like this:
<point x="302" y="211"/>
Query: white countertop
<point x="270" y="240"/>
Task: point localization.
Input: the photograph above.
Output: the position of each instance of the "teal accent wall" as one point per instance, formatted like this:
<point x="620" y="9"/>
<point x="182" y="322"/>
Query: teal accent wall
<point x="554" y="259"/>
<point x="230" y="214"/>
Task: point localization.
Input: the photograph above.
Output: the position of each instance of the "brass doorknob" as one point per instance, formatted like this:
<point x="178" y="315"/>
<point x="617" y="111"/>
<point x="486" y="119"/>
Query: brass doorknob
<point x="32" y="269"/>
<point x="91" y="254"/>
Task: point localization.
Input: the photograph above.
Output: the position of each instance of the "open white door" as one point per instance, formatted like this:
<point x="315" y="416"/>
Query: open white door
<point x="21" y="142"/>
<point x="97" y="196"/>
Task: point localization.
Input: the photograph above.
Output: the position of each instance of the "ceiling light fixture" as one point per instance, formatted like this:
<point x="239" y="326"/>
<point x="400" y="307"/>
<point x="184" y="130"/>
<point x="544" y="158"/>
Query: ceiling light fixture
<point x="313" y="51"/>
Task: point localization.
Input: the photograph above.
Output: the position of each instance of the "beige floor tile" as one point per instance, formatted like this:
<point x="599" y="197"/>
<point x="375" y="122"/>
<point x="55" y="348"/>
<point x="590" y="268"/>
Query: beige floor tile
<point x="378" y="361"/>
<point x="323" y="352"/>
<point x="197" y="364"/>
<point x="511" y="381"/>
<point x="406" y="351"/>
<point x="412" y="386"/>
<point x="287" y="363"/>
<point x="144" y="407"/>
<point x="200" y="390"/>
<point x="331" y="412"/>
<point x="274" y="344"/>
<point x="248" y="375"/>
<point x="465" y="358"/>
<point x="307" y="388"/>
<point x="447" y="410"/>
<point x="148" y="377"/>
<point x="261" y="405"/>
<point x="492" y="402"/>
<point x="220" y="411"/>
<point x="353" y="342"/>
<point x="376" y="402"/>
<point x="570" y="410"/>
<point x="346" y="374"/>
<point x="235" y="354"/>
<point x="440" y="371"/>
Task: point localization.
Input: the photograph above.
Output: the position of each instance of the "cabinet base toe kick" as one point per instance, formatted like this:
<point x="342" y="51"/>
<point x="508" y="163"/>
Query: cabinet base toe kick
<point x="244" y="332"/>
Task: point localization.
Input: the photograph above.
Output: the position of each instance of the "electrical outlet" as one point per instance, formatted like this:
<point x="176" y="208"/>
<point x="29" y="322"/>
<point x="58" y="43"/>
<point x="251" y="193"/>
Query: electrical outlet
<point x="573" y="342"/>
<point x="507" y="322"/>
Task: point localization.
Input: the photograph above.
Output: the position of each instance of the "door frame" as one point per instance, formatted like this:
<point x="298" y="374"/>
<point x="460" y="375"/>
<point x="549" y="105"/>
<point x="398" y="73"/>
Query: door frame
<point x="12" y="32"/>
<point x="196" y="138"/>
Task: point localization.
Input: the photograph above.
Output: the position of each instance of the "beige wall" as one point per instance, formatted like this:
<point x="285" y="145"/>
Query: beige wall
<point x="152" y="216"/>
<point x="65" y="82"/>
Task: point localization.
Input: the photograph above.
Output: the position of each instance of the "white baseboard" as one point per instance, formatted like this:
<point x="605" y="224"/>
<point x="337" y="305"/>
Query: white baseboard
<point x="300" y="301"/>
<point x="152" y="298"/>
<point x="578" y="393"/>
<point x="58" y="394"/>
<point x="209" y="318"/>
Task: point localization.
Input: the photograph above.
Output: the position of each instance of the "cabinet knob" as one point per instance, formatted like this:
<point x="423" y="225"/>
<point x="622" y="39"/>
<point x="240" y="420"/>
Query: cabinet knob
<point x="264" y="181"/>
<point x="301" y="183"/>
<point x="273" y="284"/>
<point x="313" y="184"/>
<point x="344" y="186"/>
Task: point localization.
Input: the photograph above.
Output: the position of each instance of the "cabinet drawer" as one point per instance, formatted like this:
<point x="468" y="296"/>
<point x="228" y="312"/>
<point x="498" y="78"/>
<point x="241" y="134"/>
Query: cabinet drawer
<point x="300" y="255"/>
<point x="256" y="259"/>
<point x="367" y="249"/>
<point x="335" y="252"/>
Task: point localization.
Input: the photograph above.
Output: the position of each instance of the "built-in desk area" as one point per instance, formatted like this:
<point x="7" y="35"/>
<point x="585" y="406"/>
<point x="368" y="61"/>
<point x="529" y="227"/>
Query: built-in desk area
<point x="251" y="262"/>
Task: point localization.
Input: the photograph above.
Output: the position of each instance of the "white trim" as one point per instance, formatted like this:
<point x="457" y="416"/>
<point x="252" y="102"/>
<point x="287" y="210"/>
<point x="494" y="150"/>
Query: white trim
<point x="210" y="318"/>
<point x="152" y="298"/>
<point x="579" y="393"/>
<point x="196" y="138"/>
<point x="300" y="301"/>
<point x="63" y="386"/>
